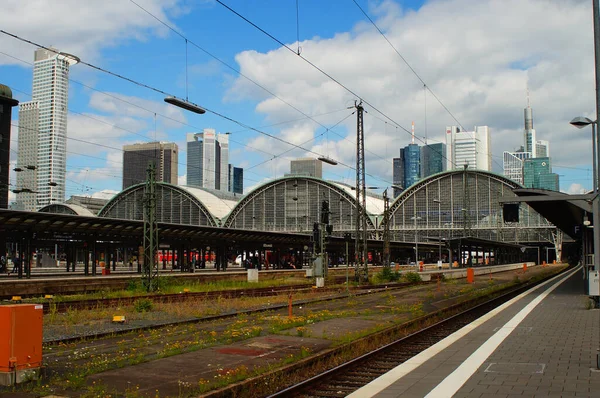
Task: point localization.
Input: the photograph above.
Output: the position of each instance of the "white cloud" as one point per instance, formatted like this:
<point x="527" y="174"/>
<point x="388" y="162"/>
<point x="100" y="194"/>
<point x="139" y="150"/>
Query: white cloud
<point x="477" y="56"/>
<point x="575" y="189"/>
<point x="81" y="28"/>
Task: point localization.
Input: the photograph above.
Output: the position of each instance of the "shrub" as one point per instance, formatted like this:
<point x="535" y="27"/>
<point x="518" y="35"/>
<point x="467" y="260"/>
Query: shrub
<point x="387" y="275"/>
<point x="143" y="305"/>
<point x="412" y="277"/>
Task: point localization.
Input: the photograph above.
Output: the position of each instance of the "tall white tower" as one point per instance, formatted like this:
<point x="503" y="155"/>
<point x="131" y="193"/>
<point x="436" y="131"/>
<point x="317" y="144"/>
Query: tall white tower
<point x="51" y="94"/>
<point x="472" y="148"/>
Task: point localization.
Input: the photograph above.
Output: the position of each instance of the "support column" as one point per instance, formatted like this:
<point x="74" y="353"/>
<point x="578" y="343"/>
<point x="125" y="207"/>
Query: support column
<point x="86" y="258"/>
<point x="94" y="257"/>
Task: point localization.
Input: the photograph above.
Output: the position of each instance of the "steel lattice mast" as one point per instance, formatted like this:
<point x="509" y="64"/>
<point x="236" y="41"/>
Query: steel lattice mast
<point x="362" y="272"/>
<point x="150" y="278"/>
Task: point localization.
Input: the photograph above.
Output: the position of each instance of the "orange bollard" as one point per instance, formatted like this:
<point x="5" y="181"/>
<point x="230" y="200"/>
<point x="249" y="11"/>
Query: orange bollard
<point x="470" y="275"/>
<point x="524" y="267"/>
<point x="397" y="267"/>
<point x="290" y="305"/>
<point x="455" y="264"/>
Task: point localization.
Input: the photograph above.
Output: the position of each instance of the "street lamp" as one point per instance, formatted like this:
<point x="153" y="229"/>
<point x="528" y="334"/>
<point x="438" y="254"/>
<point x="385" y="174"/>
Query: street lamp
<point x="185" y="104"/>
<point x="580" y="122"/>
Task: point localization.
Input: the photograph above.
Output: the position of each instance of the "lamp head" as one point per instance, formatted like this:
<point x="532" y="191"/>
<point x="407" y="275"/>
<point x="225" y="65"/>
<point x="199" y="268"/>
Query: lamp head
<point x="581" y="122"/>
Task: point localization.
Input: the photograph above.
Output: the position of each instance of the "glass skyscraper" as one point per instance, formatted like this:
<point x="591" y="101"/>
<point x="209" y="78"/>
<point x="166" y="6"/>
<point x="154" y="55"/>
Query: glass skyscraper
<point x="208" y="160"/>
<point x="236" y="179"/>
<point x="433" y="159"/>
<point x="47" y="132"/>
<point x="537" y="173"/>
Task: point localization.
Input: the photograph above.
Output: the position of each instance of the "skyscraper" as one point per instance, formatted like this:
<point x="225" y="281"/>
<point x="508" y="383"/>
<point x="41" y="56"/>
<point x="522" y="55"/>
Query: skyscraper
<point x="513" y="165"/>
<point x="137" y="158"/>
<point x="529" y="132"/>
<point x="398" y="175"/>
<point x="208" y="160"/>
<point x="306" y="167"/>
<point x="412" y="164"/>
<point x="7" y="102"/>
<point x="27" y="159"/>
<point x="236" y="179"/>
<point x="51" y="93"/>
<point x="472" y="148"/>
<point x="537" y="173"/>
<point x="433" y="159"/>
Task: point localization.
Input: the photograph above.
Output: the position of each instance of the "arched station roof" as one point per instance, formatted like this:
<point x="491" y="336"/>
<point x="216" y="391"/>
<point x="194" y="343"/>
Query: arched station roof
<point x="463" y="203"/>
<point x="66" y="208"/>
<point x="174" y="204"/>
<point x="293" y="204"/>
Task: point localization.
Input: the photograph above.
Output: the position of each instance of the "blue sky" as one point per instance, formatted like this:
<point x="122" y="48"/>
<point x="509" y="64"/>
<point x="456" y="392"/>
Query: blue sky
<point x="478" y="57"/>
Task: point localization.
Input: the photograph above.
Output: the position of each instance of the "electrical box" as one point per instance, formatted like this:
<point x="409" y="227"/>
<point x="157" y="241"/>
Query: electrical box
<point x="20" y="342"/>
<point x="594" y="283"/>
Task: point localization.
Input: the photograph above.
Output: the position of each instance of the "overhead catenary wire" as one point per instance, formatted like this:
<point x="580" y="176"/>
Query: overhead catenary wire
<point x="164" y="93"/>
<point x="319" y="69"/>
<point x="154" y="113"/>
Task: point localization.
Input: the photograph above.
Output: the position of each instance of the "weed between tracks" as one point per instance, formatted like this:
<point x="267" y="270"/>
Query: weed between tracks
<point x="70" y="367"/>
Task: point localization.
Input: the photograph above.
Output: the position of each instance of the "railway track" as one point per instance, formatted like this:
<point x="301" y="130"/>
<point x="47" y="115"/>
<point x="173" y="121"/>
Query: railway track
<point x="350" y="376"/>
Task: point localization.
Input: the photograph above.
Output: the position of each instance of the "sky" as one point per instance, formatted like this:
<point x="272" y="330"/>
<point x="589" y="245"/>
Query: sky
<point x="477" y="58"/>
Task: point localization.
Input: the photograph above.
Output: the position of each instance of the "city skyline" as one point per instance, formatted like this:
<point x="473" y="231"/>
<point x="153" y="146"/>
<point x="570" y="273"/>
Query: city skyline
<point x="105" y="109"/>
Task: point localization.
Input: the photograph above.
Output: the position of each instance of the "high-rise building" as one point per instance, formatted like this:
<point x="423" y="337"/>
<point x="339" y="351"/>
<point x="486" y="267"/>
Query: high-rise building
<point x="398" y="175"/>
<point x="7" y="102"/>
<point x="27" y="160"/>
<point x="208" y="160"/>
<point x="513" y="165"/>
<point x="308" y="167"/>
<point x="137" y="158"/>
<point x="529" y="132"/>
<point x="472" y="148"/>
<point x="537" y="173"/>
<point x="542" y="149"/>
<point x="412" y="164"/>
<point x="433" y="159"/>
<point x="236" y="179"/>
<point x="51" y="93"/>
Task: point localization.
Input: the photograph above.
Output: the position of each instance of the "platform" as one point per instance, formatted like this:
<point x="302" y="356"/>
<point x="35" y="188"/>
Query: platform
<point x="543" y="343"/>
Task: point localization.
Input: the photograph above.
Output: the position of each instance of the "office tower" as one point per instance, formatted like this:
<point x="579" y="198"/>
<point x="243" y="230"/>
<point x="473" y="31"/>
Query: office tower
<point x="236" y="179"/>
<point x="412" y="164"/>
<point x="6" y="104"/>
<point x="472" y="148"/>
<point x="306" y="167"/>
<point x="542" y="149"/>
<point x="433" y="159"/>
<point x="208" y="160"/>
<point x="398" y="175"/>
<point x="137" y="158"/>
<point x="27" y="176"/>
<point x="529" y="132"/>
<point x="513" y="165"/>
<point x="51" y="93"/>
<point x="537" y="173"/>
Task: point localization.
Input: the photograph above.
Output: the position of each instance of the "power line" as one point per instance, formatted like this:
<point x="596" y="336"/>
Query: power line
<point x="318" y="69"/>
<point x="170" y="95"/>
<point x="407" y="64"/>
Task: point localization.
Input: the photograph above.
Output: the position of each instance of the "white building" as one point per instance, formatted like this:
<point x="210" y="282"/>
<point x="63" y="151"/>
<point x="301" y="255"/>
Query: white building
<point x="542" y="149"/>
<point x="513" y="165"/>
<point x="472" y="148"/>
<point x="47" y="139"/>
